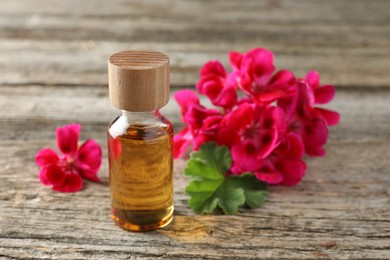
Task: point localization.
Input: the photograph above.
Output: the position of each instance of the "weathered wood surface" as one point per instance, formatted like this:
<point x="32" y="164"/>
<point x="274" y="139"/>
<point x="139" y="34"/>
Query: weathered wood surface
<point x="68" y="42"/>
<point x="341" y="209"/>
<point x="53" y="71"/>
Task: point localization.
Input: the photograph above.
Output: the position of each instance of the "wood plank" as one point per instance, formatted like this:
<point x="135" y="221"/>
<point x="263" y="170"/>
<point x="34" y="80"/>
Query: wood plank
<point x="66" y="42"/>
<point x="25" y="109"/>
<point x="340" y="210"/>
<point x="53" y="71"/>
<point x="327" y="207"/>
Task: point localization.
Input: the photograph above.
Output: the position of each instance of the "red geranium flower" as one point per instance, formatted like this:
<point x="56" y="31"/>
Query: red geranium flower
<point x="64" y="172"/>
<point x="267" y="119"/>
<point x="194" y="115"/>
<point x="310" y="122"/>
<point x="217" y="85"/>
<point x="254" y="71"/>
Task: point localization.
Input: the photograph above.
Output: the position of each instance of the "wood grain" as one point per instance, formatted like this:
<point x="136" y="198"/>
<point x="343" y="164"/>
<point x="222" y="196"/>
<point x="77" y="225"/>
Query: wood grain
<point x="341" y="209"/>
<point x="68" y="42"/>
<point x="53" y="71"/>
<point x="138" y="81"/>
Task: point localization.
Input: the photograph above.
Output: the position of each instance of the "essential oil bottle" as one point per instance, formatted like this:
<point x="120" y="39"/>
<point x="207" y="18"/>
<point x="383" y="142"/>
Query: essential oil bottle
<point x="140" y="141"/>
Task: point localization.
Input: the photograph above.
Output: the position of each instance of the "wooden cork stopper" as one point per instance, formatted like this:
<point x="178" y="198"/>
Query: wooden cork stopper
<point x="138" y="80"/>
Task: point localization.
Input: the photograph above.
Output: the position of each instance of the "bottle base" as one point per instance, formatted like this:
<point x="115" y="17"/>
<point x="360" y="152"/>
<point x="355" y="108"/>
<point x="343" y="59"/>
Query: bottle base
<point x="140" y="221"/>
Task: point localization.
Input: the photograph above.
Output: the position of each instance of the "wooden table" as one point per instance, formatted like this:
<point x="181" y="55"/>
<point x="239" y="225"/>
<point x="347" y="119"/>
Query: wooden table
<point x="53" y="71"/>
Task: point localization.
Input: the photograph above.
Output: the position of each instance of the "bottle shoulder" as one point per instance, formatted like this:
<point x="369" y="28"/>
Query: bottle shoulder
<point x="150" y="128"/>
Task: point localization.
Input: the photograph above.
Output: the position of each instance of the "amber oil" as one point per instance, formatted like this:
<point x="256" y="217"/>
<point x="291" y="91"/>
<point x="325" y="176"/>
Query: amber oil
<point x="140" y="166"/>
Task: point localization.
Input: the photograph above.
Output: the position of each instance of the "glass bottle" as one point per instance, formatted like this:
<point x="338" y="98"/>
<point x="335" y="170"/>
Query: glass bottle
<point x="140" y="141"/>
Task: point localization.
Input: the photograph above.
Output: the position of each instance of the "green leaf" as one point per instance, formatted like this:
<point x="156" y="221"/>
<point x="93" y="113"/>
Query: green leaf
<point x="254" y="190"/>
<point x="210" y="187"/>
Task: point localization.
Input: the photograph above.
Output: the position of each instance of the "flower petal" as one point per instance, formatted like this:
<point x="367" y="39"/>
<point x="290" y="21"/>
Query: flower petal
<point x="313" y="79"/>
<point x="208" y="132"/>
<point x="267" y="97"/>
<point x="331" y="117"/>
<point x="306" y="93"/>
<point x="274" y="116"/>
<point x="211" y="124"/>
<point x="282" y="84"/>
<point x="324" y="94"/>
<point x="227" y="98"/>
<point x="214" y="67"/>
<point x="54" y="175"/>
<point x="67" y="138"/>
<point x="315" y="132"/>
<point x="42" y="177"/>
<point x="232" y="80"/>
<point x="262" y="61"/>
<point x="186" y="99"/>
<point x="292" y="170"/>
<point x="268" y="141"/>
<point x="46" y="156"/>
<point x="314" y="150"/>
<point x="228" y="137"/>
<point x="294" y="146"/>
<point x="268" y="175"/>
<point x="88" y="160"/>
<point x="289" y="106"/>
<point x="210" y="85"/>
<point x="72" y="183"/>
<point x="196" y="114"/>
<point x="240" y="117"/>
<point x="181" y="142"/>
<point x="245" y="156"/>
<point x="90" y="155"/>
<point x="235" y="59"/>
<point x="283" y="79"/>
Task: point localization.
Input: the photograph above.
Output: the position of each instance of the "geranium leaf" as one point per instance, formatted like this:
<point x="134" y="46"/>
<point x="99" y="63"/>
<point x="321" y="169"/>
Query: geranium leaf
<point x="254" y="190"/>
<point x="210" y="187"/>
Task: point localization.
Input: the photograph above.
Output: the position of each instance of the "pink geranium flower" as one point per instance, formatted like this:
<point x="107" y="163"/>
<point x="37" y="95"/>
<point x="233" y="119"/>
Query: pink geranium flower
<point x="64" y="172"/>
<point x="252" y="131"/>
<point x="254" y="71"/>
<point x="216" y="85"/>
<point x="310" y="122"/>
<point x="259" y="144"/>
<point x="284" y="165"/>
<point x="200" y="122"/>
<point x="321" y="94"/>
<point x="268" y="127"/>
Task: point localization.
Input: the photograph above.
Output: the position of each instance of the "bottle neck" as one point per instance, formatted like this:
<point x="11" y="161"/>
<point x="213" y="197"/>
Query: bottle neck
<point x="140" y="117"/>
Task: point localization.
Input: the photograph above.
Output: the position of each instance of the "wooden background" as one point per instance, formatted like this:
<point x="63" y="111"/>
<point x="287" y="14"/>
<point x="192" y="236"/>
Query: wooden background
<point x="53" y="71"/>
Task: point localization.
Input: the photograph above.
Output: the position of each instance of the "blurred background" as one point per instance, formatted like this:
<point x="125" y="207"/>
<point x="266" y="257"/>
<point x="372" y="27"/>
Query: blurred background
<point x="55" y="49"/>
<point x="67" y="42"/>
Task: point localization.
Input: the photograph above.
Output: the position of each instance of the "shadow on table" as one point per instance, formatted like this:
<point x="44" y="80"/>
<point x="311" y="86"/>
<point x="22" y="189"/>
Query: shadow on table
<point x="192" y="228"/>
